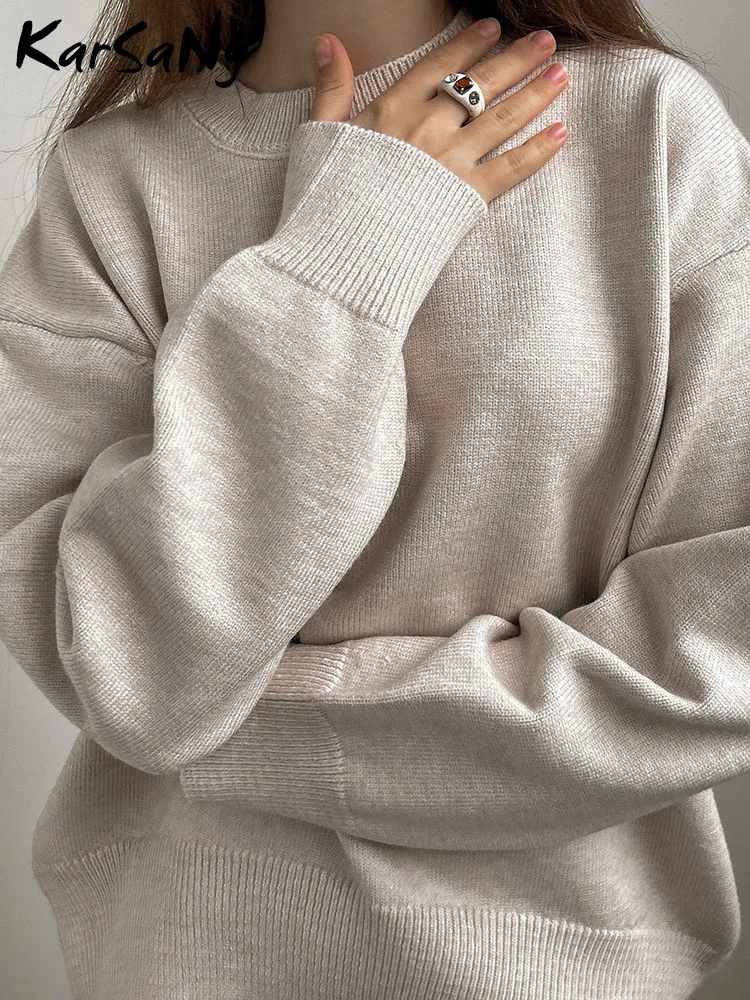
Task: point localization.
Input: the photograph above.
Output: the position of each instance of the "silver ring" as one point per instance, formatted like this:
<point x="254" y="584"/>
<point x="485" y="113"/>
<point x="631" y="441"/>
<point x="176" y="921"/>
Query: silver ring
<point x="466" y="91"/>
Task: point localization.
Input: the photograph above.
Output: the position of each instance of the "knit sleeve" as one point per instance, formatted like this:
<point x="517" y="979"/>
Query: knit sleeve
<point x="171" y="517"/>
<point x="513" y="736"/>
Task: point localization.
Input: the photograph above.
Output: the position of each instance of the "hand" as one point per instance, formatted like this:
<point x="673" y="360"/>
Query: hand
<point x="411" y="110"/>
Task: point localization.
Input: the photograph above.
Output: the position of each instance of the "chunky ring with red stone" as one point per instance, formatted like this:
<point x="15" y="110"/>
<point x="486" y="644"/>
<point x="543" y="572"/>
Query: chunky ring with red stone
<point x="465" y="90"/>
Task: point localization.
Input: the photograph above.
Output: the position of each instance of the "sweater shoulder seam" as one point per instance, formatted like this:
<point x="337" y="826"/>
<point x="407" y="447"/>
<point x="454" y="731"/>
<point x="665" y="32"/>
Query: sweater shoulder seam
<point x="69" y="174"/>
<point x="689" y="272"/>
<point x="144" y="359"/>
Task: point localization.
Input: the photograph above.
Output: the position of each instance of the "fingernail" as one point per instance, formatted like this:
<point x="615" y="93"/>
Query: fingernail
<point x="323" y="54"/>
<point x="556" y="73"/>
<point x="542" y="39"/>
<point x="488" y="26"/>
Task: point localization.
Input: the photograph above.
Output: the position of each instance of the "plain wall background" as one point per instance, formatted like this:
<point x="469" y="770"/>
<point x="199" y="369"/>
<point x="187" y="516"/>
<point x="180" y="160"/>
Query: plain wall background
<point x="34" y="738"/>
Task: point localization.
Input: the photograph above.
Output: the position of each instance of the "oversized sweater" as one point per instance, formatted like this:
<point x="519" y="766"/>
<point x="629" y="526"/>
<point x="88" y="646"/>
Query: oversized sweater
<point x="265" y="378"/>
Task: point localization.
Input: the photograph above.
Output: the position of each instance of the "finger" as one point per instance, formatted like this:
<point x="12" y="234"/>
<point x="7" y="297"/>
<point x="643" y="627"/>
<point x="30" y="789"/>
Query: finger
<point x="503" y="70"/>
<point x="503" y="172"/>
<point x="334" y="83"/>
<point x="507" y="117"/>
<point x="464" y="49"/>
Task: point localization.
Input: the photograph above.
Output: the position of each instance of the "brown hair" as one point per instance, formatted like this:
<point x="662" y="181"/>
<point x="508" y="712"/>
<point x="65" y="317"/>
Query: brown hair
<point x="574" y="23"/>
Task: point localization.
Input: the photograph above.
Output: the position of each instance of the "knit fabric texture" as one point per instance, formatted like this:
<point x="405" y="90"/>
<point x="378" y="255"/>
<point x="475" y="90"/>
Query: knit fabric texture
<point x="263" y="377"/>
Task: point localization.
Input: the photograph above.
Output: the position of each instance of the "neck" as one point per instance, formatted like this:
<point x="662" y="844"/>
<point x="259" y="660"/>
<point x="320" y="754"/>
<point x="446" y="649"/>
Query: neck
<point x="372" y="31"/>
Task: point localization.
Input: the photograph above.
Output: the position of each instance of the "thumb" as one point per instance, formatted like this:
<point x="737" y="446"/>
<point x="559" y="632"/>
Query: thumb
<point x="334" y="83"/>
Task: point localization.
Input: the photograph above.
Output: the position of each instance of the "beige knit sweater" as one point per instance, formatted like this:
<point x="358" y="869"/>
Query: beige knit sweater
<point x="261" y="376"/>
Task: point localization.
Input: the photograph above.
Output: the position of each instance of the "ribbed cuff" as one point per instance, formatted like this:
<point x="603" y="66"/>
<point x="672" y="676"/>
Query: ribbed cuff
<point x="369" y="218"/>
<point x="285" y="752"/>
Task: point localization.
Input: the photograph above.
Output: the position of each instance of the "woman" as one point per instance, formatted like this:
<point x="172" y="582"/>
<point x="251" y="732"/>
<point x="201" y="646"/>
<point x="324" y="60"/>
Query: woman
<point x="350" y="354"/>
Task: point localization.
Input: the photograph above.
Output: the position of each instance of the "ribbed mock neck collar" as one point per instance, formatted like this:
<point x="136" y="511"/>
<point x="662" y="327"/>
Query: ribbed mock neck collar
<point x="239" y="116"/>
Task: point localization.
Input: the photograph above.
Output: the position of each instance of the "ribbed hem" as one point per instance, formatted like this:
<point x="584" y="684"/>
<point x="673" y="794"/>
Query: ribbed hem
<point x="158" y="920"/>
<point x="369" y="219"/>
<point x="285" y="751"/>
